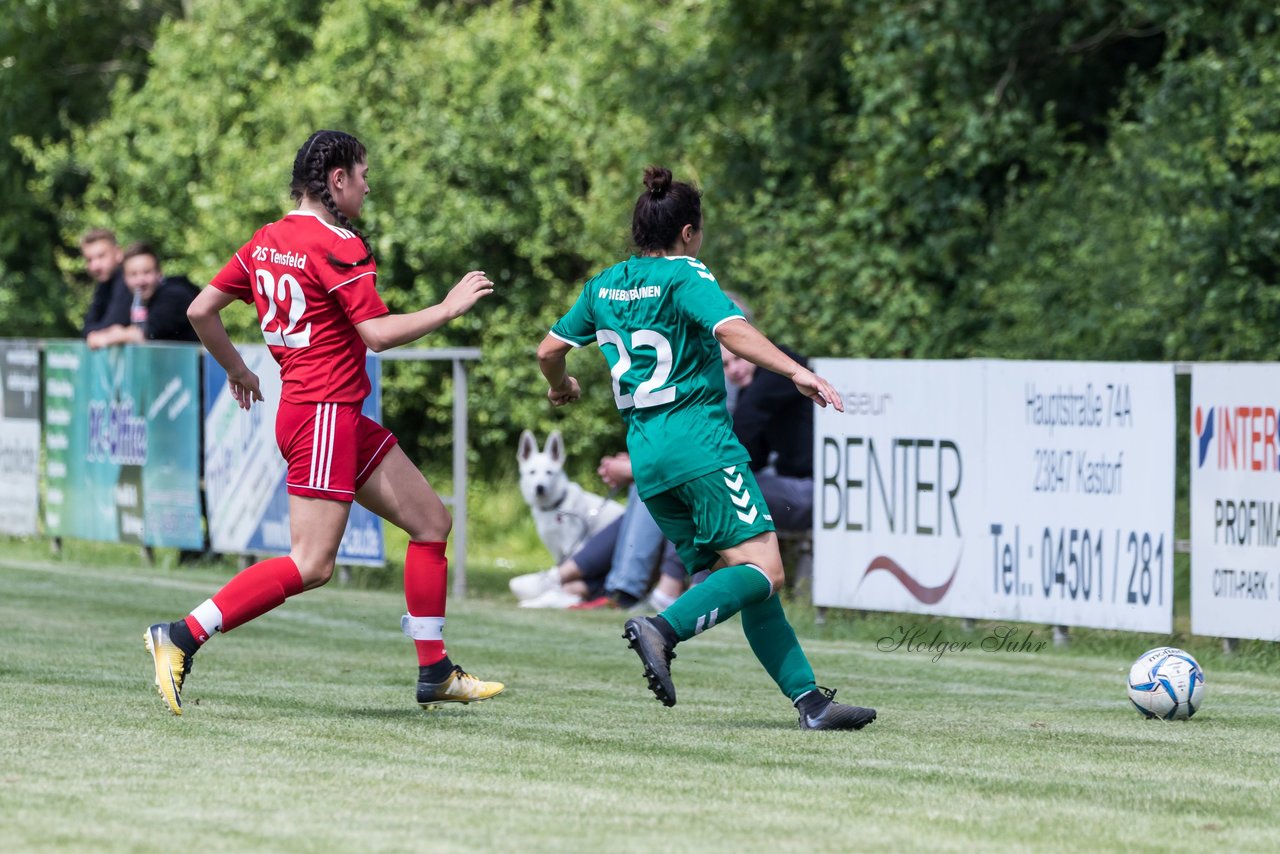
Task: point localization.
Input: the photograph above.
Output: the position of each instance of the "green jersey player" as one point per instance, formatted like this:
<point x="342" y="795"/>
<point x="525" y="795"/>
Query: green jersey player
<point x="660" y="319"/>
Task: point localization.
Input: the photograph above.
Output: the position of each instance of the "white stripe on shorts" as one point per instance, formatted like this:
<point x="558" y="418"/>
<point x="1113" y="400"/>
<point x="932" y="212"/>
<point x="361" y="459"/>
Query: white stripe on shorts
<point x="315" y="445"/>
<point x="330" y="432"/>
<point x="322" y="445"/>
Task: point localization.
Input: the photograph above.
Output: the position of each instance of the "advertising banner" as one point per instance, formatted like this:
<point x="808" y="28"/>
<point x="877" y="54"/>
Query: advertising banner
<point x="1235" y="501"/>
<point x="1080" y="493"/>
<point x="167" y="381"/>
<point x="122" y="444"/>
<point x="19" y="437"/>
<point x="248" y="504"/>
<point x="1032" y="491"/>
<point x="898" y="502"/>
<point x="66" y="439"/>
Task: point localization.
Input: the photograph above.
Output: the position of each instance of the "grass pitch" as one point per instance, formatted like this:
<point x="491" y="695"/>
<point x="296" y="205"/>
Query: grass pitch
<point x="301" y="734"/>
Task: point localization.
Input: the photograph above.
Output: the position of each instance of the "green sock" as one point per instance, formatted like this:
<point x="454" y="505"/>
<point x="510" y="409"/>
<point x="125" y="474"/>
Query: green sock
<point x="725" y="592"/>
<point x="774" y="642"/>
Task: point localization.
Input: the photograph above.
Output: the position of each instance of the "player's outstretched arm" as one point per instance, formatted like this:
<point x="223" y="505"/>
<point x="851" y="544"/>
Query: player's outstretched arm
<point x="392" y="330"/>
<point x="745" y="341"/>
<point x="551" y="361"/>
<point x="206" y="319"/>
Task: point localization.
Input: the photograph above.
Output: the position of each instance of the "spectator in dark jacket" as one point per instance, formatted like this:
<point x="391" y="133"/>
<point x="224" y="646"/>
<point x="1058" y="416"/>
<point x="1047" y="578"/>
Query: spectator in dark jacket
<point x="159" y="307"/>
<point x="111" y="298"/>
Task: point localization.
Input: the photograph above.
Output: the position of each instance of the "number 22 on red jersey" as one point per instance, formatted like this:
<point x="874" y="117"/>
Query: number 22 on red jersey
<point x="275" y="329"/>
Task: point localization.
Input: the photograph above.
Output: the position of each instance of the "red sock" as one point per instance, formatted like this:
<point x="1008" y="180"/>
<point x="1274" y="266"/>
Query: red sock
<point x="199" y="632"/>
<point x="426" y="575"/>
<point x="256" y="590"/>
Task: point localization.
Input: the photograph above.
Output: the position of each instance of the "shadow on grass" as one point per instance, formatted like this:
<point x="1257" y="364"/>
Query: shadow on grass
<point x="451" y="712"/>
<point x="773" y="722"/>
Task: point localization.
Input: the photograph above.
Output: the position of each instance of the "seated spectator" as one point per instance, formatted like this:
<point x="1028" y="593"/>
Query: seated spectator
<point x="774" y="422"/>
<point x="576" y="577"/>
<point x="638" y="548"/>
<point x="673" y="579"/>
<point x="111" y="297"/>
<point x="159" y="304"/>
<point x="613" y="569"/>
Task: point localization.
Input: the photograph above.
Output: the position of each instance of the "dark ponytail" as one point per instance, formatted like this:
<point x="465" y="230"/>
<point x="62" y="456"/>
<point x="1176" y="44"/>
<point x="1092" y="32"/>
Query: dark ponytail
<point x="324" y="151"/>
<point x="663" y="209"/>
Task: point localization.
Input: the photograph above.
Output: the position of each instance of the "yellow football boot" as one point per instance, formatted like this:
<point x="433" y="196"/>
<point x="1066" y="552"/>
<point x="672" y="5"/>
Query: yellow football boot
<point x="172" y="665"/>
<point x="458" y="687"/>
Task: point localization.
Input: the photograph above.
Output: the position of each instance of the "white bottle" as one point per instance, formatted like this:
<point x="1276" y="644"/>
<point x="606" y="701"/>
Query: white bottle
<point x="138" y="311"/>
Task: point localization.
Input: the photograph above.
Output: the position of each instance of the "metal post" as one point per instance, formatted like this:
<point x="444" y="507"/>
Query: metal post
<point x="459" y="478"/>
<point x="457" y="502"/>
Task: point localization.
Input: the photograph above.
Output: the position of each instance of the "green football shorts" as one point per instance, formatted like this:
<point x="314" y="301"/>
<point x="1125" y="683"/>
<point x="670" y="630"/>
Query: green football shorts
<point x="712" y="512"/>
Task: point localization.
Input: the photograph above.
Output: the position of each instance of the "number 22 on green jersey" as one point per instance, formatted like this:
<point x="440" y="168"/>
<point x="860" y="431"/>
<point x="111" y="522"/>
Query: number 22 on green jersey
<point x="650" y="392"/>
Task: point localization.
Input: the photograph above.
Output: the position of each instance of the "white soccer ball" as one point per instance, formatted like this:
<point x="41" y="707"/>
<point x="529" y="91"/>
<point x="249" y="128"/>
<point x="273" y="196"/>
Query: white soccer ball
<point x="1166" y="683"/>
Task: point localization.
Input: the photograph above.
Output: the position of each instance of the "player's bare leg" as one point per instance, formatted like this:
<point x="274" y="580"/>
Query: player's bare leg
<point x="316" y="526"/>
<point x="398" y="492"/>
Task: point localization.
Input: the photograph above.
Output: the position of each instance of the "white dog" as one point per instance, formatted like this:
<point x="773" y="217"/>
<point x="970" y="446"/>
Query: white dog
<point x="564" y="513"/>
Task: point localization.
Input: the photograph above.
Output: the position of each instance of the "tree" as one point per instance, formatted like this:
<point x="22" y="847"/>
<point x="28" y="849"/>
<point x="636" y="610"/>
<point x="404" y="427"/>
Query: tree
<point x="60" y="62"/>
<point x="944" y="178"/>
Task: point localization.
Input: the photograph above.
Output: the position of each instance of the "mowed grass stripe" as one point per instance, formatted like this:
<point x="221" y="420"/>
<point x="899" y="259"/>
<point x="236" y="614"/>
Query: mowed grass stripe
<point x="302" y="735"/>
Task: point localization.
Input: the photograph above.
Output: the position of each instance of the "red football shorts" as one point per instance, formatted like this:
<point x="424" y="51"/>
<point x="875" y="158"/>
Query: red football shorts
<point x="331" y="448"/>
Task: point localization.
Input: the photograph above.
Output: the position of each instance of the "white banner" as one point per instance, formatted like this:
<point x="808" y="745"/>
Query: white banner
<point x="1037" y="491"/>
<point x="19" y="437"/>
<point x="1235" y="501"/>
<point x="1080" y="493"/>
<point x="243" y="467"/>
<point x="898" y="506"/>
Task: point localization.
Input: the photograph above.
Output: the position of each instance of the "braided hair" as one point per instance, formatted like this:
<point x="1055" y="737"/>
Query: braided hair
<point x="324" y="151"/>
<point x="663" y="209"/>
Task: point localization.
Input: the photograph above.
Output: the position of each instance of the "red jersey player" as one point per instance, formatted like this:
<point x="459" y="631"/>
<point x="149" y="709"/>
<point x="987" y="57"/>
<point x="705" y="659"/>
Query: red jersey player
<point x="311" y="277"/>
